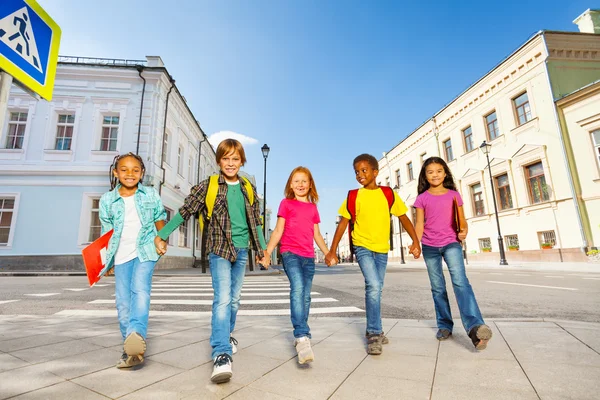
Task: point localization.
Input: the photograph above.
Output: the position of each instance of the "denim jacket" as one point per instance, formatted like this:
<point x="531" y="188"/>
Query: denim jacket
<point x="150" y="210"/>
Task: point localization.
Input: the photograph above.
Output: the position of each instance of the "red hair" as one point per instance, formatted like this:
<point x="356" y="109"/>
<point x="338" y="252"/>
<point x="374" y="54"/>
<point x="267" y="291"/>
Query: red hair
<point x="312" y="196"/>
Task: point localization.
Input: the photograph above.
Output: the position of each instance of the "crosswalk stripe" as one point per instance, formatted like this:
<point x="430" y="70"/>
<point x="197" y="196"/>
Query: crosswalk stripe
<point x="208" y="286"/>
<point x="209" y="302"/>
<point x="210" y="289"/>
<point x="42" y="294"/>
<point x="7" y="301"/>
<point x="195" y="314"/>
<point x="77" y="290"/>
<point x="243" y="294"/>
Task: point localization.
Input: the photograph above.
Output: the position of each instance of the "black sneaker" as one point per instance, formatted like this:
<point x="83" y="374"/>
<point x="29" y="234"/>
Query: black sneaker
<point x="443" y="334"/>
<point x="222" y="369"/>
<point x="480" y="336"/>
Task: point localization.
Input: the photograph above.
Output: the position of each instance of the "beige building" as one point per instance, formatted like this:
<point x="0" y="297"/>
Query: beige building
<point x="537" y="109"/>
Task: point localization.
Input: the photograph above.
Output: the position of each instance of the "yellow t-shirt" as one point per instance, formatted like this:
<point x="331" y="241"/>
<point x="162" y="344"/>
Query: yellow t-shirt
<point x="372" y="225"/>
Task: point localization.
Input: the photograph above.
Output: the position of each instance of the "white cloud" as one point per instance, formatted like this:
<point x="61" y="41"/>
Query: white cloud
<point x="217" y="137"/>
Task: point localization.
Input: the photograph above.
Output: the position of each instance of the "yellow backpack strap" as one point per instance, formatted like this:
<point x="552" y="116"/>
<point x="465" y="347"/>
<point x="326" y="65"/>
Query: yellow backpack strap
<point x="211" y="195"/>
<point x="249" y="190"/>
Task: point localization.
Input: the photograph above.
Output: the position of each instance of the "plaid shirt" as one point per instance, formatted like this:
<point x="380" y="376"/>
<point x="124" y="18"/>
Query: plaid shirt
<point x="219" y="241"/>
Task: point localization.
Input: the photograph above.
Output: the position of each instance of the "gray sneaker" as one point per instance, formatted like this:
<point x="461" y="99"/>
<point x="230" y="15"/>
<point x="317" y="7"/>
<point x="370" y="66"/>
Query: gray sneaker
<point x="384" y="339"/>
<point x="129" y="361"/>
<point x="443" y="334"/>
<point x="480" y="336"/>
<point x="305" y="353"/>
<point x="374" y="345"/>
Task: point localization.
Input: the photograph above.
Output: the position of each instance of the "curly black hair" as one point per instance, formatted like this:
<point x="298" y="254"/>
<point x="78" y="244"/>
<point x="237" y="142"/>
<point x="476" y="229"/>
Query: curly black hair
<point x="368" y="158"/>
<point x="115" y="163"/>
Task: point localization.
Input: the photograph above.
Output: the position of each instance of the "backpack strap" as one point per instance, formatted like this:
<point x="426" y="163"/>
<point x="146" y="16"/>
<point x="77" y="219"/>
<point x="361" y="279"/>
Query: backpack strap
<point x="389" y="195"/>
<point x="211" y="195"/>
<point x="249" y="190"/>
<point x="351" y="204"/>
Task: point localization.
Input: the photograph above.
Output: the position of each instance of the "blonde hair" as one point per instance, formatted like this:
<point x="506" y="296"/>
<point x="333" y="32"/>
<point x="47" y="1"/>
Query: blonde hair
<point x="312" y="196"/>
<point x="230" y="145"/>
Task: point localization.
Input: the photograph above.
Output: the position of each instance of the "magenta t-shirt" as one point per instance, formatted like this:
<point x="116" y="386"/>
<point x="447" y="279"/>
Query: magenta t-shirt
<point x="300" y="219"/>
<point x="439" y="215"/>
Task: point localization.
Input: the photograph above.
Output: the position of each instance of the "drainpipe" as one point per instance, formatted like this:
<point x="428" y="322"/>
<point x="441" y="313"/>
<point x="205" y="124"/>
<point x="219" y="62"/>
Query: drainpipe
<point x="162" y="152"/>
<point x="437" y="136"/>
<point x="584" y="243"/>
<point x="194" y="230"/>
<point x="140" y="68"/>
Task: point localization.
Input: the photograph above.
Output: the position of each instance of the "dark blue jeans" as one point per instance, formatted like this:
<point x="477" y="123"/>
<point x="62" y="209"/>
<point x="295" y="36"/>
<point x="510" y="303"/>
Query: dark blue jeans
<point x="300" y="271"/>
<point x="467" y="305"/>
<point x="372" y="266"/>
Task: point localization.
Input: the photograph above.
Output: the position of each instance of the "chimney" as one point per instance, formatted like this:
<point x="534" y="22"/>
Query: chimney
<point x="589" y="21"/>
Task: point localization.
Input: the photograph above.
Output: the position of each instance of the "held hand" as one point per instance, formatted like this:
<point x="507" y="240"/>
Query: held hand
<point x="462" y="235"/>
<point x="265" y="261"/>
<point x="415" y="249"/>
<point x="161" y="246"/>
<point x="331" y="259"/>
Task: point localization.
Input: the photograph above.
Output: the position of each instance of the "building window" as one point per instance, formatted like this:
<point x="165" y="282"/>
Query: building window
<point x="423" y="157"/>
<point x="504" y="196"/>
<point x="110" y="131"/>
<point x="95" y="225"/>
<point x="522" y="108"/>
<point x="180" y="160"/>
<point x="448" y="150"/>
<point x="491" y="123"/>
<point x="190" y="170"/>
<point x="7" y="209"/>
<point x="477" y="195"/>
<point x="183" y="235"/>
<point x="536" y="183"/>
<point x="398" y="179"/>
<point x="409" y="170"/>
<point x="596" y="139"/>
<point x="547" y="238"/>
<point x="413" y="214"/>
<point x="485" y="244"/>
<point x="165" y="151"/>
<point x="512" y="241"/>
<point x="387" y="181"/>
<point x="16" y="130"/>
<point x="468" y="139"/>
<point x="64" y="132"/>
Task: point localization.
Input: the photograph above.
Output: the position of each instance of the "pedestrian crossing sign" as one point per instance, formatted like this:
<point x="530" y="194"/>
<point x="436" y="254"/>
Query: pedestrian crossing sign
<point x="29" y="41"/>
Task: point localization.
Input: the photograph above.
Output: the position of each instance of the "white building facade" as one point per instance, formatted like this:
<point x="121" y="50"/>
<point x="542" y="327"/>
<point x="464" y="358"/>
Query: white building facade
<point x="55" y="158"/>
<point x="513" y="108"/>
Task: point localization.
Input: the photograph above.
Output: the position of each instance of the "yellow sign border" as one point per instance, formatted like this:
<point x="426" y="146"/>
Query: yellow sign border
<point x="45" y="90"/>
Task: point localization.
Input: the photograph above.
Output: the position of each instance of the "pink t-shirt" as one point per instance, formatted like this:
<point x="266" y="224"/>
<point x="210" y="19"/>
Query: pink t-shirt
<point x="439" y="215"/>
<point x="300" y="219"/>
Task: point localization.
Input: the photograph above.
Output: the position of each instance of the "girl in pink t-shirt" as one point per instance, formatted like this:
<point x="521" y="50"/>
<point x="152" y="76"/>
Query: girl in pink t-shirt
<point x="435" y="228"/>
<point x="297" y="227"/>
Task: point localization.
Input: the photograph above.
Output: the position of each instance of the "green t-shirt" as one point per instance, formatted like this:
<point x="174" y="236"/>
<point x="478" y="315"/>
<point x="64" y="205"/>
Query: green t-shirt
<point x="237" y="215"/>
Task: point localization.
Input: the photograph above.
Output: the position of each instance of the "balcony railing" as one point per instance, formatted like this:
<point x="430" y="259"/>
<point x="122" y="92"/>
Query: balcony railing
<point x="99" y="61"/>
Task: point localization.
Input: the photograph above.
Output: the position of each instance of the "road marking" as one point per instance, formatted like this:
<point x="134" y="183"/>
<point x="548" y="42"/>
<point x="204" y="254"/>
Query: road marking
<point x="77" y="290"/>
<point x="209" y="302"/>
<point x="208" y="282"/>
<point x="42" y="294"/>
<point x="7" y="301"/>
<point x="596" y="279"/>
<point x="100" y="285"/>
<point x="194" y="314"/>
<point x="554" y="276"/>
<point x="522" y="275"/>
<point x="210" y="289"/>
<point x="495" y="273"/>
<point x="525" y="284"/>
<point x="211" y="294"/>
<point x="275" y="286"/>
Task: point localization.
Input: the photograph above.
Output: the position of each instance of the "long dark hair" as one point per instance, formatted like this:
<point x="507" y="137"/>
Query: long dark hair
<point x="113" y="179"/>
<point x="448" y="181"/>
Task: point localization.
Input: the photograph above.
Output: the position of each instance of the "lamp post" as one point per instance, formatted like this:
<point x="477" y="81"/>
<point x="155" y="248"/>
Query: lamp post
<point x="337" y="222"/>
<point x="265" y="152"/>
<point x="486" y="147"/>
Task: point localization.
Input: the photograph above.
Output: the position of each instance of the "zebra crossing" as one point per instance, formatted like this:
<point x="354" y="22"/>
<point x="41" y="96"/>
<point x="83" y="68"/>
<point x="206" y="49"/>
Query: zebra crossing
<point x="260" y="296"/>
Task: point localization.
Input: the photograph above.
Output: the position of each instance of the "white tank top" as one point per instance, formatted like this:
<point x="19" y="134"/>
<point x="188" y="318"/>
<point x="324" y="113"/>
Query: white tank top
<point x="132" y="225"/>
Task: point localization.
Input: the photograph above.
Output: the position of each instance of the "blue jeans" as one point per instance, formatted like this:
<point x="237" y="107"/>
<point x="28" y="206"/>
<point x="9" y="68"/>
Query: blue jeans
<point x="469" y="310"/>
<point x="373" y="267"/>
<point x="227" y="281"/>
<point x="300" y="271"/>
<point x="133" y="281"/>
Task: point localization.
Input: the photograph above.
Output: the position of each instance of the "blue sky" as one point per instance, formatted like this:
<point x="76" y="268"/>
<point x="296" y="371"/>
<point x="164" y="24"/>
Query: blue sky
<point x="318" y="81"/>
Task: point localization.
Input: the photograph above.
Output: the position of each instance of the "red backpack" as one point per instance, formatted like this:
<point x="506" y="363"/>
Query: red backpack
<point x="351" y="207"/>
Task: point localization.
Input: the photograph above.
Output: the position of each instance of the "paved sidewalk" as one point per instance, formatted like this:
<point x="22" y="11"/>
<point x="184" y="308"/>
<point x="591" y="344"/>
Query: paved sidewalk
<point x="65" y="356"/>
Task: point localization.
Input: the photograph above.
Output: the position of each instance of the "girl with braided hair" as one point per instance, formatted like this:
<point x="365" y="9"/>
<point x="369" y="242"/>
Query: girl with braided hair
<point x="135" y="212"/>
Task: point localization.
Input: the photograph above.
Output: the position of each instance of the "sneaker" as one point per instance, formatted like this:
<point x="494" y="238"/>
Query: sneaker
<point x="384" y="339"/>
<point x="135" y="345"/>
<point x="480" y="336"/>
<point x="374" y="345"/>
<point x="443" y="334"/>
<point x="129" y="361"/>
<point x="305" y="353"/>
<point x="233" y="343"/>
<point x="222" y="369"/>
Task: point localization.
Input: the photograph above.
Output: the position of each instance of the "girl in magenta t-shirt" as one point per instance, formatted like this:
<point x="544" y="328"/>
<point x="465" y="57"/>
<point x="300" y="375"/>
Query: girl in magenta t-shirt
<point x="297" y="227"/>
<point x="436" y="229"/>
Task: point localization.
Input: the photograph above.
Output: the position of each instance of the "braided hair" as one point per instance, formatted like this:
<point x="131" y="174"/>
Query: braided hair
<point x="115" y="163"/>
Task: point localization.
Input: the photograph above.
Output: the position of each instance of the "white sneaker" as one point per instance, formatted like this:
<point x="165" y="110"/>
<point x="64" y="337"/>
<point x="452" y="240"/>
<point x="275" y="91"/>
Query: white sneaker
<point x="233" y="343"/>
<point x="305" y="353"/>
<point x="222" y="369"/>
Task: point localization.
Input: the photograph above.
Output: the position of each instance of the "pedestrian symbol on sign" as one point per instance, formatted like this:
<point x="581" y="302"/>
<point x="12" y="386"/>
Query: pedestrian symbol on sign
<point x="16" y="33"/>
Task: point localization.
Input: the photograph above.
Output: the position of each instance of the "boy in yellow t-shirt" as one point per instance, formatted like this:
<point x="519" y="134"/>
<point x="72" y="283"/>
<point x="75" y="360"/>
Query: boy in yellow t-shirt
<point x="370" y="238"/>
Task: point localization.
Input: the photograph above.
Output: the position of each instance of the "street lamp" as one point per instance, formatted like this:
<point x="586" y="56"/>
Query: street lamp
<point x="486" y="147"/>
<point x="338" y="219"/>
<point x="265" y="152"/>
